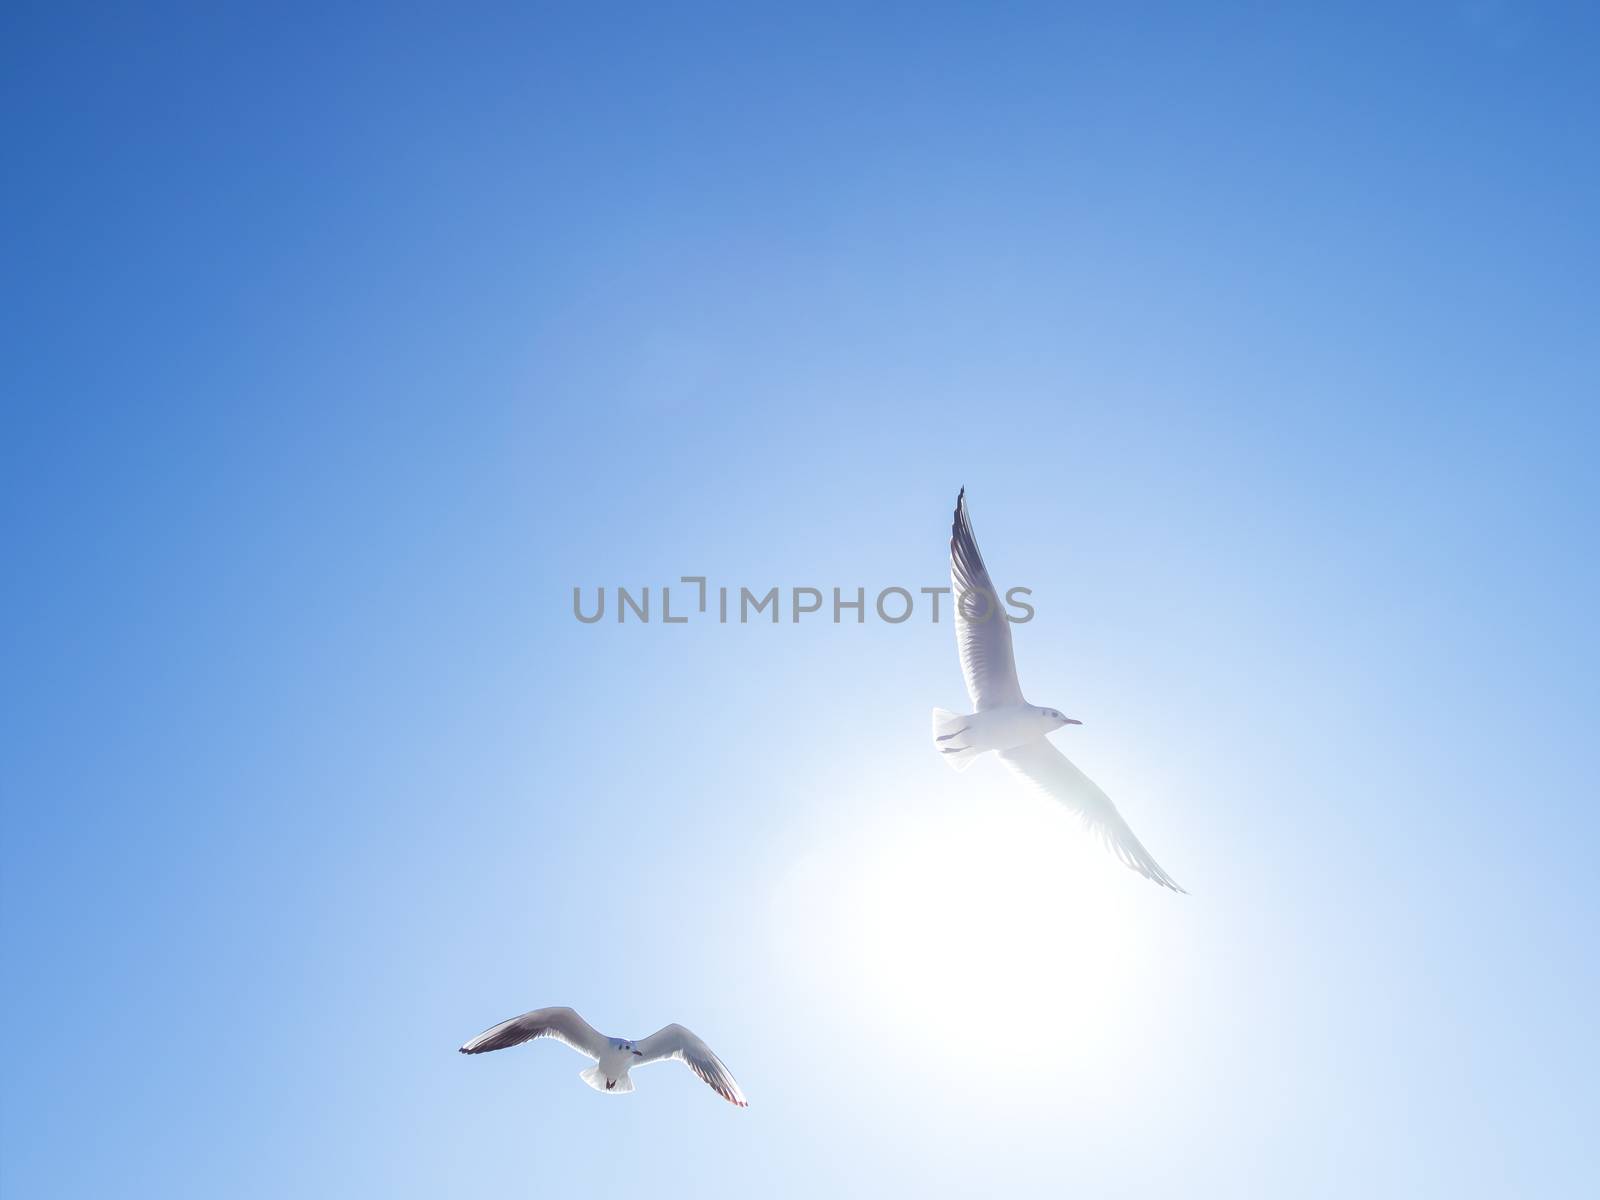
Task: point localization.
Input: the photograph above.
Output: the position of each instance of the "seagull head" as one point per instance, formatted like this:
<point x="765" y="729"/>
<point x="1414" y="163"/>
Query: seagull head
<point x="1056" y="720"/>
<point x="630" y="1048"/>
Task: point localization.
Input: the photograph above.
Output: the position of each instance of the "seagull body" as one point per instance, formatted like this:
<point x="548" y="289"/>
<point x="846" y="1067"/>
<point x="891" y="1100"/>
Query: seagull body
<point x="962" y="739"/>
<point x="613" y="1057"/>
<point x="1005" y="722"/>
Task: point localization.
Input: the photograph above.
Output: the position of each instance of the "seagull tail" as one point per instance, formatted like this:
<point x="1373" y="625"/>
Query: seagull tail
<point x="596" y="1079"/>
<point x="947" y="740"/>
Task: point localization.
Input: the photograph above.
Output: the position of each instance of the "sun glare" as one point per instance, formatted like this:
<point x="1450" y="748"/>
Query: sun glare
<point x="996" y="908"/>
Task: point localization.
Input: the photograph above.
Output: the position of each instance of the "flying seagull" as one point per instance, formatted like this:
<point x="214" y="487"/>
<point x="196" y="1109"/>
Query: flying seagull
<point x="614" y="1057"/>
<point x="1008" y="724"/>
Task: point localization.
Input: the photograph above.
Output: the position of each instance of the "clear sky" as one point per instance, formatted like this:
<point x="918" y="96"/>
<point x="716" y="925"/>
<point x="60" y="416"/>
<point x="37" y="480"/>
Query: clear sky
<point x="342" y="345"/>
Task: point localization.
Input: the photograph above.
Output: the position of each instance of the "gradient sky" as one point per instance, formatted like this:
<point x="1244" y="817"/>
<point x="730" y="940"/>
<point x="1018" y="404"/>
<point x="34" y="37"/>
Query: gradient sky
<point x="342" y="346"/>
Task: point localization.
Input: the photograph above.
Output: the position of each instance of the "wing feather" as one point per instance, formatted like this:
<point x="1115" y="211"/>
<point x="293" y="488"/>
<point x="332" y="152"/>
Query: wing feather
<point x="677" y="1042"/>
<point x="983" y="634"/>
<point x="1051" y="772"/>
<point x="563" y="1024"/>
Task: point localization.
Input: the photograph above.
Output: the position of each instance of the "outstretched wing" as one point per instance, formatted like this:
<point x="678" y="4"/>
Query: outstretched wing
<point x="677" y="1042"/>
<point x="563" y="1024"/>
<point x="983" y="635"/>
<point x="1047" y="769"/>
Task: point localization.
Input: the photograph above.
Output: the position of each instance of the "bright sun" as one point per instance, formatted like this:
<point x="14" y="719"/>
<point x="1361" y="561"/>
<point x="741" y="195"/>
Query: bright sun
<point x="999" y="905"/>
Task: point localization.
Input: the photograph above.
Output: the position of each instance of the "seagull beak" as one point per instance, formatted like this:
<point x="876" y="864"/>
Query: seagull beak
<point x="1070" y="721"/>
<point x="638" y="1053"/>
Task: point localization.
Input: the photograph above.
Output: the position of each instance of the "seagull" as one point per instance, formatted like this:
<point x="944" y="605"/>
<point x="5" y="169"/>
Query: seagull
<point x="1008" y="724"/>
<point x="614" y="1057"/>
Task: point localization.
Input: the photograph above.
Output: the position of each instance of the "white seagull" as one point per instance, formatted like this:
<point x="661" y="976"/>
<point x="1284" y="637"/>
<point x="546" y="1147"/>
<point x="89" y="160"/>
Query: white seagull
<point x="1008" y="724"/>
<point x="614" y="1057"/>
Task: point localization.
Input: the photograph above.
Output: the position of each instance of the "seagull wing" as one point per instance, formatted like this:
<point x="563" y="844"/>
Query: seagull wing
<point x="1047" y="769"/>
<point x="677" y="1042"/>
<point x="563" y="1024"/>
<point x="983" y="638"/>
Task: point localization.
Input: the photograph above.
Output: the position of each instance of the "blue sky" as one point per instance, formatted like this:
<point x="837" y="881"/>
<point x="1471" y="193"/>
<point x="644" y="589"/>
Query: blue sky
<point x="344" y="345"/>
